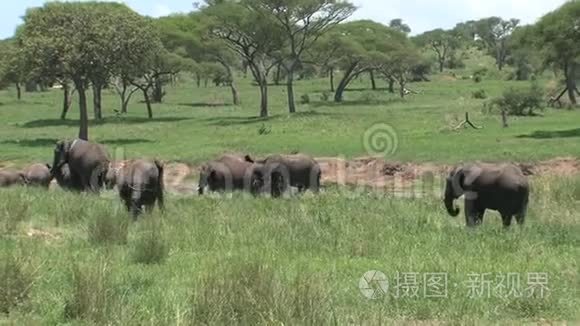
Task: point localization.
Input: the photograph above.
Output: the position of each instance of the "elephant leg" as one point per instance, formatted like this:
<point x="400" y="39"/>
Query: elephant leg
<point x="507" y="220"/>
<point x="480" y="215"/>
<point x="471" y="213"/>
<point x="520" y="218"/>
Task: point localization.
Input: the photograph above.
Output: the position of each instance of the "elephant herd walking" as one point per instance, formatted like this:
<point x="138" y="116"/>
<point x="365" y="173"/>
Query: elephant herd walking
<point x="83" y="166"/>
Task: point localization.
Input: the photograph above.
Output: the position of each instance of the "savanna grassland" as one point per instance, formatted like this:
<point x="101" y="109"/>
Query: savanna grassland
<point x="78" y="259"/>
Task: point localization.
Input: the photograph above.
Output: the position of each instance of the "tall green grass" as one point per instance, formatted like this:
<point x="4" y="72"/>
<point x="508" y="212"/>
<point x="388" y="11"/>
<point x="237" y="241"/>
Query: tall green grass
<point x="299" y="260"/>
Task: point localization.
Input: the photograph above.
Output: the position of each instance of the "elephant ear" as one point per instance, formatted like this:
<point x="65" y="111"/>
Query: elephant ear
<point x="457" y="179"/>
<point x="471" y="174"/>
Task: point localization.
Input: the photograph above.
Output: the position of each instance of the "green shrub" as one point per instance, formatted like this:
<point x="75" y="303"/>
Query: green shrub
<point x="254" y="294"/>
<point x="325" y="96"/>
<point x="370" y="97"/>
<point x="150" y="247"/>
<point x="479" y="94"/>
<point x="305" y="99"/>
<point x="15" y="282"/>
<point x="107" y="227"/>
<point x="92" y="295"/>
<point x="13" y="212"/>
<point x="520" y="102"/>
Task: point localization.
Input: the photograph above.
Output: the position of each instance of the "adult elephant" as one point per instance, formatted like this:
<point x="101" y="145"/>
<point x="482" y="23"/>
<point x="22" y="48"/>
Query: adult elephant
<point x="38" y="175"/>
<point x="64" y="180"/>
<point x="9" y="177"/>
<point x="231" y="173"/>
<point x="503" y="188"/>
<point x="299" y="170"/>
<point x="140" y="183"/>
<point x="87" y="162"/>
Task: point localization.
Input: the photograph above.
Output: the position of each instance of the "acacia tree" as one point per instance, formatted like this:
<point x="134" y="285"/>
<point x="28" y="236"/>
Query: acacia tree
<point x="397" y="24"/>
<point x="442" y="43"/>
<point x="249" y="34"/>
<point x="302" y="23"/>
<point x="65" y="37"/>
<point x="557" y="36"/>
<point x="188" y="33"/>
<point x="16" y="70"/>
<point x="399" y="65"/>
<point x="357" y="45"/>
<point x="494" y="32"/>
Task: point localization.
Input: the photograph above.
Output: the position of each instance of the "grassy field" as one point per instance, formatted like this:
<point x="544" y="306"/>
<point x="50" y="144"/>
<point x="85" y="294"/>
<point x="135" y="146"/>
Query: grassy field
<point x="198" y="124"/>
<point x="77" y="259"/>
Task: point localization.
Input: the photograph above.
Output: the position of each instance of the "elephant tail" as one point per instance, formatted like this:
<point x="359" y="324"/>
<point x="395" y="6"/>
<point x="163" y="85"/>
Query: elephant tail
<point x="160" y="185"/>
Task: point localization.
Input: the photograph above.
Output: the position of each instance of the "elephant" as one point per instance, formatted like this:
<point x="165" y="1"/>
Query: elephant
<point x="38" y="175"/>
<point x="9" y="177"/>
<point x="500" y="187"/>
<point x="87" y="163"/>
<point x="64" y="180"/>
<point x="140" y="183"/>
<point x="231" y="172"/>
<point x="299" y="170"/>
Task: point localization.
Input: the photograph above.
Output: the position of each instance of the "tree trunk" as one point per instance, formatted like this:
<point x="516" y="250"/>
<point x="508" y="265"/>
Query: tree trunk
<point x="84" y="119"/>
<point x="290" y="88"/>
<point x="346" y="79"/>
<point x="277" y="75"/>
<point x="97" y="107"/>
<point x="198" y="80"/>
<point x="402" y="90"/>
<point x="332" y="79"/>
<point x="18" y="91"/>
<point x="441" y="64"/>
<point x="373" y="82"/>
<point x="264" y="98"/>
<point x="65" y="102"/>
<point x="504" y="120"/>
<point x="148" y="103"/>
<point x="158" y="92"/>
<point x="391" y="86"/>
<point x="570" y="73"/>
<point x="235" y="94"/>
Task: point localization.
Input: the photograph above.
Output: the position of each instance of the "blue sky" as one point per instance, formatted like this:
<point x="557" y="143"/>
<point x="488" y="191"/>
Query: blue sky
<point x="421" y="15"/>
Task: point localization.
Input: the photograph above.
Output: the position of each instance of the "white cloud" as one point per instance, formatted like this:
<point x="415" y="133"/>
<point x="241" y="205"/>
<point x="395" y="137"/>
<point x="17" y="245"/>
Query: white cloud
<point x="160" y="10"/>
<point x="423" y="15"/>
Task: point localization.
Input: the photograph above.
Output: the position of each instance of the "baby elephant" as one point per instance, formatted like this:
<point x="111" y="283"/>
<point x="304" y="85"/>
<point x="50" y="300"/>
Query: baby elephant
<point x="502" y="188"/>
<point x="140" y="183"/>
<point x="38" y="175"/>
<point x="10" y="178"/>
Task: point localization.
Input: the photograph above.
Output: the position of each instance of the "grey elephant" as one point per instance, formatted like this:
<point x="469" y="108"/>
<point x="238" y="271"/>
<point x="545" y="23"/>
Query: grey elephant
<point x="298" y="170"/>
<point x="87" y="162"/>
<point x="231" y="172"/>
<point x="38" y="175"/>
<point x="140" y="183"/>
<point x="500" y="187"/>
<point x="64" y="180"/>
<point x="10" y="177"/>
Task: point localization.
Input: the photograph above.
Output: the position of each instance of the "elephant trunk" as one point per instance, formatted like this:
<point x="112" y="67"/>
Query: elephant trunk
<point x="450" y="199"/>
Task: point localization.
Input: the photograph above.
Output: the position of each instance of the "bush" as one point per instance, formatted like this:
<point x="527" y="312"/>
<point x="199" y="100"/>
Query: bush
<point x="481" y="72"/>
<point x="150" y="247"/>
<point x="520" y="102"/>
<point x="325" y="96"/>
<point x="92" y="294"/>
<point x="13" y="212"/>
<point x="369" y="97"/>
<point x="107" y="228"/>
<point x="15" y="282"/>
<point x="479" y="94"/>
<point x="254" y="294"/>
<point x="305" y="99"/>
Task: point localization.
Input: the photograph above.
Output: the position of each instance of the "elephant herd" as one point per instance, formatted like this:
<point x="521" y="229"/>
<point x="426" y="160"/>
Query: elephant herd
<point x="83" y="166"/>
